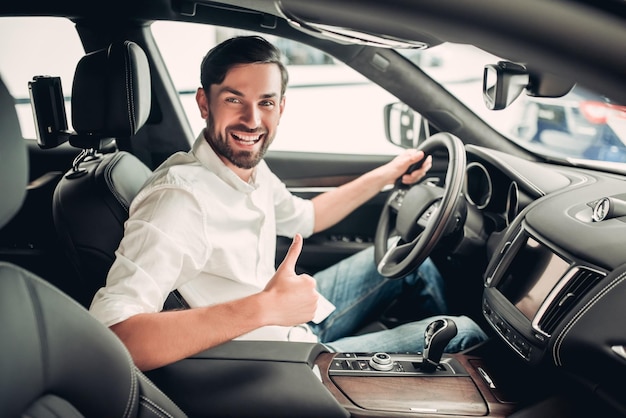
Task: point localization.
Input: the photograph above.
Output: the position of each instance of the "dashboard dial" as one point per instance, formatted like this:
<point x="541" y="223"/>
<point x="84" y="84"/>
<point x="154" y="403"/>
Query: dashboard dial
<point x="512" y="203"/>
<point x="478" y="186"/>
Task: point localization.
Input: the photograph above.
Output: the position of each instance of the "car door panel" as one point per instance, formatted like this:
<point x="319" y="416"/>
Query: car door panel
<point x="309" y="174"/>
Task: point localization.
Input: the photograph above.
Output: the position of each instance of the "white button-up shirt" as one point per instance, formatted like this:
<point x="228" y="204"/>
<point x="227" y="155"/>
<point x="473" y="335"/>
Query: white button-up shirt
<point x="197" y="227"/>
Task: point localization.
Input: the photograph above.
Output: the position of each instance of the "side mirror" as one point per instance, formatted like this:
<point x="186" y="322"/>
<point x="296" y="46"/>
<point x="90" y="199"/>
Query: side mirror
<point x="403" y="126"/>
<point x="502" y="83"/>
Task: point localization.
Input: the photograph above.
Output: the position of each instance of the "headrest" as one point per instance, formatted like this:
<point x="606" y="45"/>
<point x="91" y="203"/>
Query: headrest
<point x="111" y="94"/>
<point x="13" y="159"/>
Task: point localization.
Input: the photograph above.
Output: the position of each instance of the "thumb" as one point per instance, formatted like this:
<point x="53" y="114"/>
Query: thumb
<point x="289" y="262"/>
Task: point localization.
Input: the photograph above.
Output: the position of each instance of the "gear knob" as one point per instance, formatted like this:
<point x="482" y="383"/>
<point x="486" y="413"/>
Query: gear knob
<point x="436" y="337"/>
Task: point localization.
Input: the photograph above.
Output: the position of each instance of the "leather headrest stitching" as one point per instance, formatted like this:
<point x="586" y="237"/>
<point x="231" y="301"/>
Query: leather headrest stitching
<point x="128" y="73"/>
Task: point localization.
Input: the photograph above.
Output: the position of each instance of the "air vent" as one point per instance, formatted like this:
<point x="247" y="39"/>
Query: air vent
<point x="574" y="289"/>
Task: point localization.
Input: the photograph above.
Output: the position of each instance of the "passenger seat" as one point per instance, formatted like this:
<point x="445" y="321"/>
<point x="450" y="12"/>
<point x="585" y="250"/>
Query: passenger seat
<point x="56" y="360"/>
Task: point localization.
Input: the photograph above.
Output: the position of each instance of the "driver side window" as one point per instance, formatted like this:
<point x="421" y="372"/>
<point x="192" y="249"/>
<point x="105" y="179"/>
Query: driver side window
<point x="330" y="107"/>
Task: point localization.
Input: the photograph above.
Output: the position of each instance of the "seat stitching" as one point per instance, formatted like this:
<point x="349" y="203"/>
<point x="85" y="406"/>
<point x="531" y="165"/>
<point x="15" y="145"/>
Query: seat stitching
<point x="153" y="406"/>
<point x="133" y="384"/>
<point x="129" y="84"/>
<point x="108" y="177"/>
<point x="151" y="383"/>
<point x="40" y="320"/>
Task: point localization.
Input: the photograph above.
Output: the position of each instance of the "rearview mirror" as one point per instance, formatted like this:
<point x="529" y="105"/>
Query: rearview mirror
<point x="502" y="83"/>
<point x="505" y="81"/>
<point x="403" y="126"/>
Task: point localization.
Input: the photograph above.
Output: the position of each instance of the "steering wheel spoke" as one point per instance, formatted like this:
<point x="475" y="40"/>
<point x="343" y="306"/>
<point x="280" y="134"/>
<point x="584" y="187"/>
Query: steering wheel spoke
<point x="396" y="199"/>
<point x="430" y="213"/>
<point x="398" y="250"/>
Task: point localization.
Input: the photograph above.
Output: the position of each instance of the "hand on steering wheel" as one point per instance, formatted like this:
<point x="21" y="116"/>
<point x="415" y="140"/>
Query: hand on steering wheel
<point x="416" y="217"/>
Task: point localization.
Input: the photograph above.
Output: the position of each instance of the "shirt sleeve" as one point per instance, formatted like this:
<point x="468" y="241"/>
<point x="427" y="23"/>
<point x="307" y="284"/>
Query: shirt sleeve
<point x="163" y="246"/>
<point x="293" y="214"/>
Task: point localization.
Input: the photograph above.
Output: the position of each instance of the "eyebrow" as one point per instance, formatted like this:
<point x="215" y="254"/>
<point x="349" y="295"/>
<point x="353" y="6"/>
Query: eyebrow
<point x="236" y="92"/>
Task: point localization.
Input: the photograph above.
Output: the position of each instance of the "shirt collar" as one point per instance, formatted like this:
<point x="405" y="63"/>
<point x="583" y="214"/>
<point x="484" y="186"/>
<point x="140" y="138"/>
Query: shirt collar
<point x="207" y="157"/>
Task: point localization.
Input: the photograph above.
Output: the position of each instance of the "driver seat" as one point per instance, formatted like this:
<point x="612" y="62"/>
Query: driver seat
<point x="111" y="99"/>
<point x="56" y="360"/>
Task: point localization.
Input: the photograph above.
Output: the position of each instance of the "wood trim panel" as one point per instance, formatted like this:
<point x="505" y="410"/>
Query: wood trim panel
<point x="451" y="395"/>
<point x="434" y="397"/>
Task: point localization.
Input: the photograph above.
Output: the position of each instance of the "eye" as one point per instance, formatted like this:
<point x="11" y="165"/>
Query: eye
<point x="267" y="103"/>
<point x="232" y="100"/>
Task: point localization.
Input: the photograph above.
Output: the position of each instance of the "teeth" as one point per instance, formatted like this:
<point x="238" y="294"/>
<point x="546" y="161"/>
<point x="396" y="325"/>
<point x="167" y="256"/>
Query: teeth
<point x="249" y="139"/>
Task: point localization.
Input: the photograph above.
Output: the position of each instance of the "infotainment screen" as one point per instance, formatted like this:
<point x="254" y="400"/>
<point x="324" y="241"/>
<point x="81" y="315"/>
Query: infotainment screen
<point x="530" y="276"/>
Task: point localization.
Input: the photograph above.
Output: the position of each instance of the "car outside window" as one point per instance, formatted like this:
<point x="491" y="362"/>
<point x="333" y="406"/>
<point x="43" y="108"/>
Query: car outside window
<point x="329" y="106"/>
<point x="23" y="54"/>
<point x="580" y="125"/>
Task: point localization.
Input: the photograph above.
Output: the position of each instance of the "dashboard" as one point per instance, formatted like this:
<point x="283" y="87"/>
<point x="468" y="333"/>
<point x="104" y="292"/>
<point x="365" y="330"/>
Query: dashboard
<point x="555" y="284"/>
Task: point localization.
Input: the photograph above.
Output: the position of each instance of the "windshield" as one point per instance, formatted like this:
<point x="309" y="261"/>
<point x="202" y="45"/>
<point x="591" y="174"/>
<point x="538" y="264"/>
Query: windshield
<point x="580" y="125"/>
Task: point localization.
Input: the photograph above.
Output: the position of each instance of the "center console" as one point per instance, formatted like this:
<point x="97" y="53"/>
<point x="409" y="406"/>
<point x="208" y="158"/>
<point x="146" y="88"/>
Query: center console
<point x="287" y="379"/>
<point x="405" y="388"/>
<point x="418" y="384"/>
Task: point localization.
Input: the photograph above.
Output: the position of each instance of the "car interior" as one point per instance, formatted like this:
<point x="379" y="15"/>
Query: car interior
<point x="531" y="246"/>
<point x="61" y="359"/>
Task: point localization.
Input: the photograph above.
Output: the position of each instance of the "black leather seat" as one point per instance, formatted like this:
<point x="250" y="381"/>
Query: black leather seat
<point x="56" y="360"/>
<point x="111" y="99"/>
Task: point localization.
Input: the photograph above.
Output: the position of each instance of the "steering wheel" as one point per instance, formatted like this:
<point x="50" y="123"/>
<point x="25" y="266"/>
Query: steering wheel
<point x="416" y="217"/>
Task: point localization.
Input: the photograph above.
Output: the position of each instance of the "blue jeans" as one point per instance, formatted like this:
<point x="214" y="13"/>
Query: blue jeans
<point x="358" y="291"/>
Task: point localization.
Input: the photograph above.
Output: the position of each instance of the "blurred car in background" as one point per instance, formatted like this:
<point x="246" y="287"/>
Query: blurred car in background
<point x="579" y="125"/>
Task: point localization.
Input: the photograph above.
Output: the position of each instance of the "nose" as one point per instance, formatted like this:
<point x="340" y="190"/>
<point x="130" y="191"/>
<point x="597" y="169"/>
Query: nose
<point x="251" y="116"/>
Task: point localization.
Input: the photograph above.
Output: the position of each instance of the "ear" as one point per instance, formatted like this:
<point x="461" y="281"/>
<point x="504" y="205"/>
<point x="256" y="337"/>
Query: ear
<point x="283" y="101"/>
<point x="203" y="103"/>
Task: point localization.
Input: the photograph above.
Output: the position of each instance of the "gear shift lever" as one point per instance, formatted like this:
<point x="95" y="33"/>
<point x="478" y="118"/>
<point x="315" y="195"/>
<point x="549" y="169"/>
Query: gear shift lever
<point x="436" y="337"/>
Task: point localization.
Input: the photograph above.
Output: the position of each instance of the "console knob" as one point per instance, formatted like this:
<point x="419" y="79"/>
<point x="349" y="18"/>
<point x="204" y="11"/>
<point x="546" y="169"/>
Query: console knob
<point x="436" y="337"/>
<point x="382" y="362"/>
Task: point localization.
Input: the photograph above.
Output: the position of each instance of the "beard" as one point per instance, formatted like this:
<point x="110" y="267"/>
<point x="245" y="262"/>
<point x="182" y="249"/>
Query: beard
<point x="241" y="159"/>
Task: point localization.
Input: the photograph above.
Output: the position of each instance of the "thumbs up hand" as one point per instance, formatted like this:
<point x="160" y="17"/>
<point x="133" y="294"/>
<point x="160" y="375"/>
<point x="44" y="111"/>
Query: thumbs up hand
<point x="292" y="297"/>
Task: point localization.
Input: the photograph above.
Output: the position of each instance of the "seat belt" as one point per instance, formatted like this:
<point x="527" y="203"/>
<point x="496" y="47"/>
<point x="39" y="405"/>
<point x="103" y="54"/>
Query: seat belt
<point x="175" y="301"/>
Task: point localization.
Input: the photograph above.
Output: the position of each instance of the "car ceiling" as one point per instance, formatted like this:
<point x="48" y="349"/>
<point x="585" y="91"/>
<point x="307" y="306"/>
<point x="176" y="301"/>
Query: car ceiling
<point x="589" y="48"/>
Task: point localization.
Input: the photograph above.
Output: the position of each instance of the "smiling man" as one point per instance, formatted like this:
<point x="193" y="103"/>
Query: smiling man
<point x="206" y="222"/>
<point x="249" y="121"/>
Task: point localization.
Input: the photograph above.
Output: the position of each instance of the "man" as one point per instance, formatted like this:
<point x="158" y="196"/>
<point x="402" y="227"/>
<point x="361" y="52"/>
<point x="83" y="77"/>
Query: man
<point x="206" y="224"/>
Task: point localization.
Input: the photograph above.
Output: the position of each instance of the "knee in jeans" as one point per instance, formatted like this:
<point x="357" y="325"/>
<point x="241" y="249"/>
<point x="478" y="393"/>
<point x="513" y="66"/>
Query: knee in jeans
<point x="427" y="272"/>
<point x="468" y="332"/>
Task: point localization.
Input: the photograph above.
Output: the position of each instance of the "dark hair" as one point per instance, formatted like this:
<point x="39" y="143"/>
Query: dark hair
<point x="236" y="51"/>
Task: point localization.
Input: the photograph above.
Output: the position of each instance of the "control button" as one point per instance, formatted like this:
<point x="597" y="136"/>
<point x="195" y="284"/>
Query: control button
<point x="362" y="364"/>
<point x="381" y="361"/>
<point x="339" y="365"/>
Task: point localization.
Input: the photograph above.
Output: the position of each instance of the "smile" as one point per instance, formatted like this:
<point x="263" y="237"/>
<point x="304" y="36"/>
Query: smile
<point x="247" y="139"/>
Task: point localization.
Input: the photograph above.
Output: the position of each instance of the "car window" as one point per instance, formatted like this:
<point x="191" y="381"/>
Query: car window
<point x="329" y="107"/>
<point x="24" y="54"/>
<point x="580" y="125"/>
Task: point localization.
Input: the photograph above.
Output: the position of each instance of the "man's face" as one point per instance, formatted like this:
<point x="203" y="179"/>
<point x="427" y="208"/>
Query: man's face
<point x="243" y="113"/>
